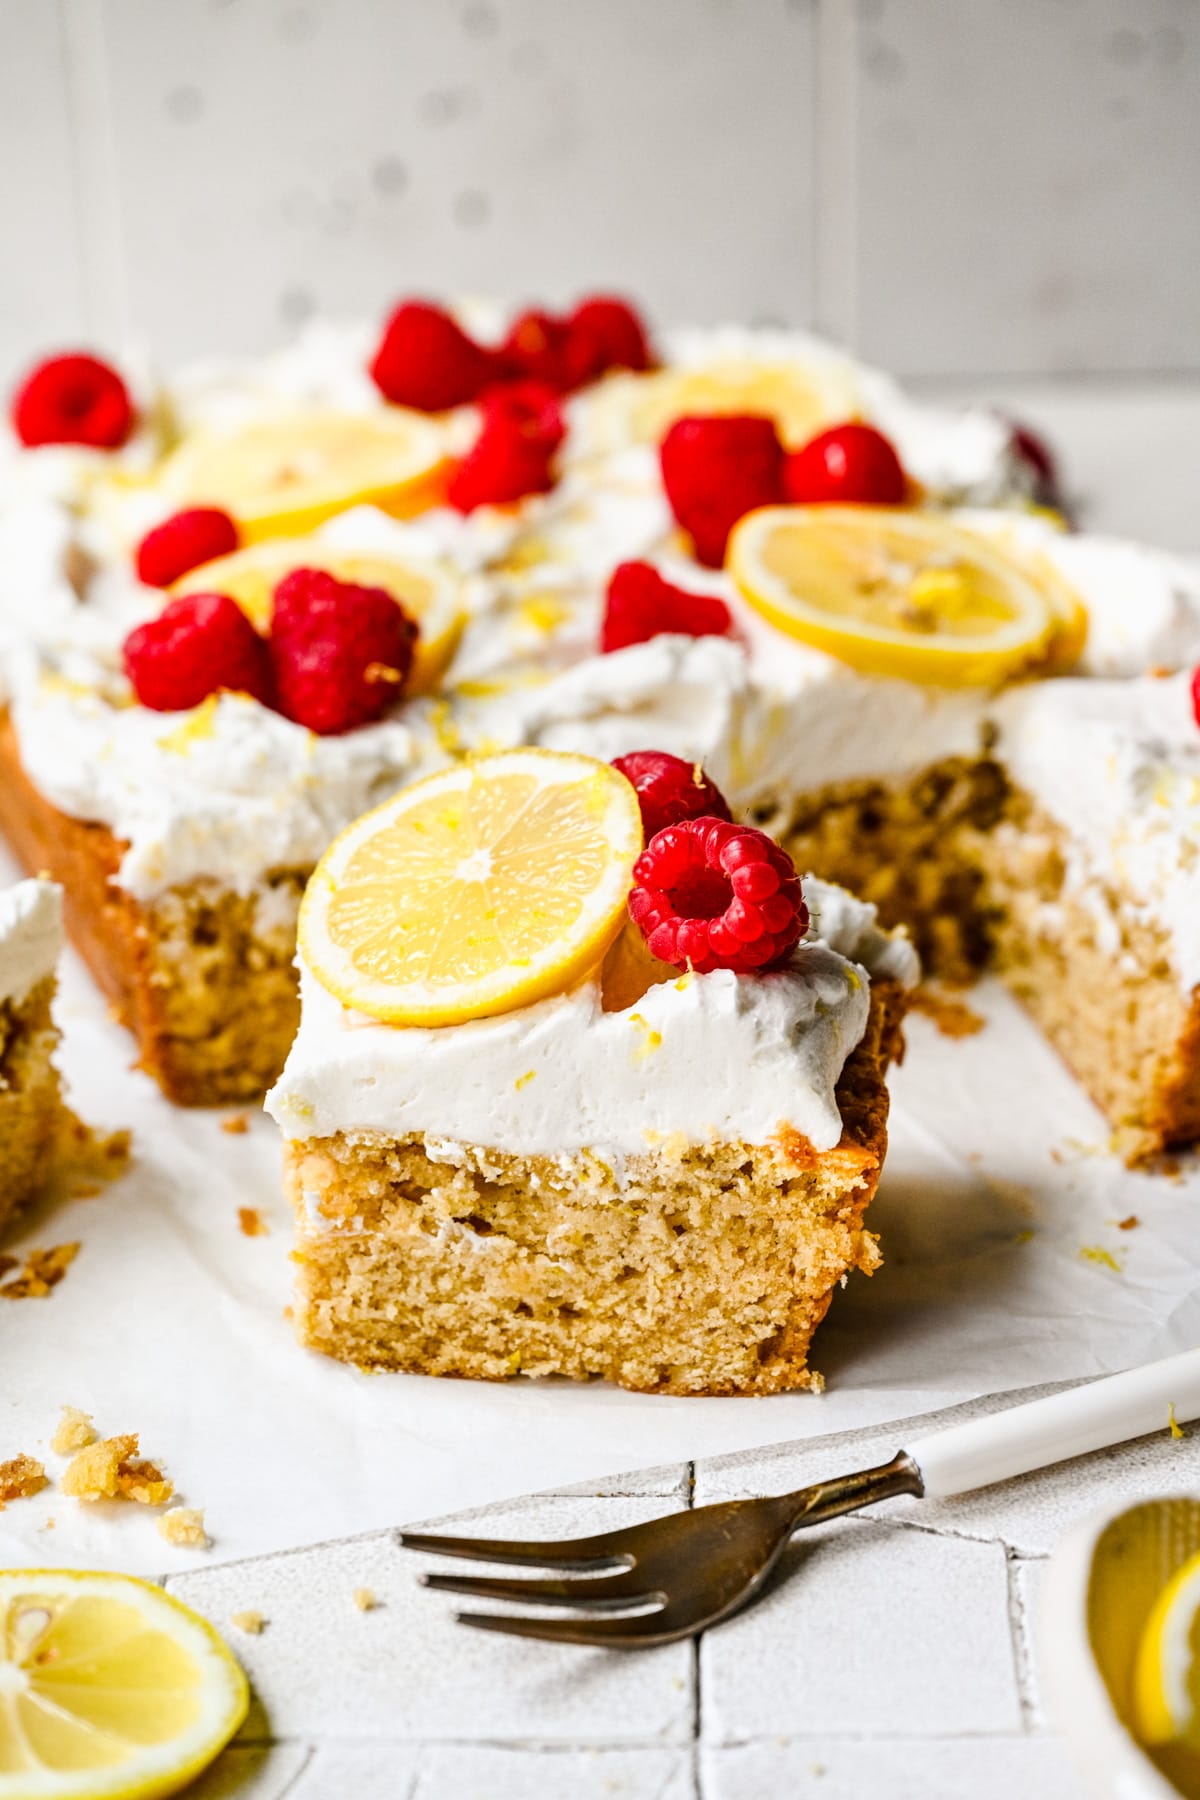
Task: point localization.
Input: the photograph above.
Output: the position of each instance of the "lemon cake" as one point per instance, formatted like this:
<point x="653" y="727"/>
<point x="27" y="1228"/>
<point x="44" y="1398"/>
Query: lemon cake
<point x="532" y="1144"/>
<point x="31" y="1106"/>
<point x="183" y="834"/>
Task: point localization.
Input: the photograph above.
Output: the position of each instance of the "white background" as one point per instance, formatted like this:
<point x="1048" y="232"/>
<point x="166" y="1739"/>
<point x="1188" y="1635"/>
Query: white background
<point x="968" y="188"/>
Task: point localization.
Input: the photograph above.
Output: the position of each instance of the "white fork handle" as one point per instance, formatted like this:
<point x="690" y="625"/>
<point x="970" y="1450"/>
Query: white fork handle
<point x="1108" y="1411"/>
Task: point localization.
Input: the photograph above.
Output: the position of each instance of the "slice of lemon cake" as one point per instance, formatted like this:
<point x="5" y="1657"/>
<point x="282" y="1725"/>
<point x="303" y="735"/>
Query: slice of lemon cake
<point x="31" y="1106"/>
<point x="561" y="1104"/>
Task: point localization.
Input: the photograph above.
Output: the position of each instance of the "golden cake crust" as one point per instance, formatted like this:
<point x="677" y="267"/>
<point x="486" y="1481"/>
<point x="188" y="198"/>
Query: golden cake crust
<point x="212" y="1003"/>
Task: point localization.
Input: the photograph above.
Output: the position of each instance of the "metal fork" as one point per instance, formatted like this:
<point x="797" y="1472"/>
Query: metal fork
<point x="674" y="1576"/>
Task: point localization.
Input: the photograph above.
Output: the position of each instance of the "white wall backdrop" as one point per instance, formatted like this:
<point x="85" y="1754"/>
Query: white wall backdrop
<point x="976" y="187"/>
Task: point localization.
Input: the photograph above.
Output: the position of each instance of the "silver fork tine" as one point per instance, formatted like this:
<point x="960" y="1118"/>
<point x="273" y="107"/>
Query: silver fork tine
<point x="624" y="1589"/>
<point x="578" y="1553"/>
<point x="611" y="1634"/>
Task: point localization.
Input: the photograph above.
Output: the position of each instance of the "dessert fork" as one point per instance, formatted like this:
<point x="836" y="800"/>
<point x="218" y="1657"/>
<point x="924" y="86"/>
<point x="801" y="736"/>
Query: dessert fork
<point x="677" y="1575"/>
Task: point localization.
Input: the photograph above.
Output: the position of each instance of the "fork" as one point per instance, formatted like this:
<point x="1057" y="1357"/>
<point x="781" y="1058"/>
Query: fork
<point x="674" y="1576"/>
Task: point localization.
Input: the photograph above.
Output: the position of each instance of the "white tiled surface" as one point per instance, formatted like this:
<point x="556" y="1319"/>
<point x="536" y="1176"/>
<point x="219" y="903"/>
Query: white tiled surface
<point x="1004" y="186"/>
<point x="896" y="1654"/>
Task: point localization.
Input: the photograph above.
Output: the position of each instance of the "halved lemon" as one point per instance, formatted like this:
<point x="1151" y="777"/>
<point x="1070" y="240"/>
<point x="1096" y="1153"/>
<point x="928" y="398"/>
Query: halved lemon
<point x="429" y="593"/>
<point x="801" y="397"/>
<point x="893" y="591"/>
<point x="1166" y="1677"/>
<point x="283" y="475"/>
<point x="478" y="890"/>
<point x="109" y="1688"/>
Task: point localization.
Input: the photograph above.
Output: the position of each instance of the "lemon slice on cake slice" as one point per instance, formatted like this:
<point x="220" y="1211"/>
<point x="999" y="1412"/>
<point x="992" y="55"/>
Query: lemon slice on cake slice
<point x="109" y="1688"/>
<point x="897" y="592"/>
<point x="802" y="395"/>
<point x="428" y="593"/>
<point x="283" y="475"/>
<point x="480" y="889"/>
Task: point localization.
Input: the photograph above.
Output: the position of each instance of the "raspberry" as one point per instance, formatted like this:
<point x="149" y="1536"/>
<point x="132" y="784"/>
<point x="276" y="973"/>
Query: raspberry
<point x="605" y="333"/>
<point x="1196" y="695"/>
<point x="341" y="653"/>
<point x="529" y="407"/>
<point x="196" y="646"/>
<point x="183" y="542"/>
<point x="426" y="360"/>
<point x="537" y="347"/>
<point x="73" y="400"/>
<point x="670" y="790"/>
<point x="1040" y="460"/>
<point x="641" y="605"/>
<point x="717" y="469"/>
<point x="847" y="465"/>
<point x="711" y="895"/>
<point x="522" y="428"/>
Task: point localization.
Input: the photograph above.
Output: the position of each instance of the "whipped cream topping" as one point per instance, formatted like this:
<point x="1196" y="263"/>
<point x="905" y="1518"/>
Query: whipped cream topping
<point x="1117" y="765"/>
<point x="228" y="793"/>
<point x="31" y="936"/>
<point x="703" y="1058"/>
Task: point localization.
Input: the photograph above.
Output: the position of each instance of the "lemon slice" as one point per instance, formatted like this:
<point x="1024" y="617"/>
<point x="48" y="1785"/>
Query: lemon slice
<point x="1166" y="1677"/>
<point x="429" y="593"/>
<point x="801" y="397"/>
<point x="284" y="475"/>
<point x="477" y="890"/>
<point x="893" y="592"/>
<point x="109" y="1689"/>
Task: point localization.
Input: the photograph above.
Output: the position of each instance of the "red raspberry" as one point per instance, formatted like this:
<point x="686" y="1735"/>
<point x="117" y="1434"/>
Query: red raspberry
<point x="1196" y="695"/>
<point x="426" y="360"/>
<point x="511" y="457"/>
<point x="196" y="646"/>
<point x="1036" y="454"/>
<point x="185" y="541"/>
<point x="711" y="895"/>
<point x="529" y="407"/>
<point x="341" y="653"/>
<point x="537" y="346"/>
<point x="641" y="605"/>
<point x="73" y="399"/>
<point x="670" y="790"/>
<point x="847" y="465"/>
<point x="605" y="333"/>
<point x="717" y="469"/>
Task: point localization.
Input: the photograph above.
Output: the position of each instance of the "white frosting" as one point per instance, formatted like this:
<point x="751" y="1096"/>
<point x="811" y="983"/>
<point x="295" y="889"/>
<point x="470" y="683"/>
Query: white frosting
<point x="1117" y="765"/>
<point x="715" y="1057"/>
<point x="227" y="795"/>
<point x="31" y="936"/>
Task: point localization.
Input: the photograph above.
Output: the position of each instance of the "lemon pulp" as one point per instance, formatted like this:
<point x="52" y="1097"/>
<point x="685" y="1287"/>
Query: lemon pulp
<point x="477" y="890"/>
<point x="109" y="1689"/>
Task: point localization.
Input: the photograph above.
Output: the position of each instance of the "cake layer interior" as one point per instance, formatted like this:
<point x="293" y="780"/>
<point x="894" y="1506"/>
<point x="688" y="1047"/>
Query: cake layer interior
<point x="202" y="976"/>
<point x="31" y="1109"/>
<point x="687" y="1270"/>
<point x="1098" y="979"/>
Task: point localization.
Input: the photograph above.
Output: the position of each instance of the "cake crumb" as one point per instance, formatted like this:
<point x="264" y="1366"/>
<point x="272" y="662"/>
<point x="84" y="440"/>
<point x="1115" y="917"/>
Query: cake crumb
<point x="251" y="1222"/>
<point x="89" y="1158"/>
<point x="75" y="1432"/>
<point x="249" y="1621"/>
<point x="111" y="1469"/>
<point x="365" y="1600"/>
<point x="1129" y="1224"/>
<point x="952" y="1017"/>
<point x="236" y="1124"/>
<point x="184" y="1526"/>
<point x="20" y="1478"/>
<point x="43" y="1270"/>
<point x="1173" y="1425"/>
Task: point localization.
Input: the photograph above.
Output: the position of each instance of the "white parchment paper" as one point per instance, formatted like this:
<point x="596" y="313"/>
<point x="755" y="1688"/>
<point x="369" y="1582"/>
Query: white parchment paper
<point x="997" y="1196"/>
